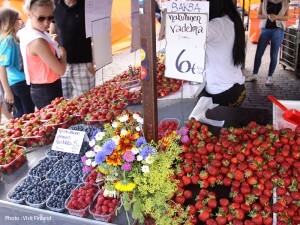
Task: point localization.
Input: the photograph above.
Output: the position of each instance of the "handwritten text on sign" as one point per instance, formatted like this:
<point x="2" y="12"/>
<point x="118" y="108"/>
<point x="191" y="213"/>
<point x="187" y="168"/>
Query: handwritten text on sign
<point x="186" y="23"/>
<point x="68" y="140"/>
<point x="185" y="50"/>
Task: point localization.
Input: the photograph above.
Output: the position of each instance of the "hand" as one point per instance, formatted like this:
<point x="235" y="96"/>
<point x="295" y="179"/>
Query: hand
<point x="91" y="69"/>
<point x="54" y="37"/>
<point x="272" y="17"/>
<point x="9" y="97"/>
<point x="63" y="52"/>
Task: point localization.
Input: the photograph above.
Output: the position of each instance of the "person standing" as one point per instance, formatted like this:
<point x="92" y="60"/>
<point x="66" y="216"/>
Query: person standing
<point x="12" y="77"/>
<point x="44" y="61"/>
<point x="272" y="13"/>
<point x="225" y="54"/>
<point x="69" y="25"/>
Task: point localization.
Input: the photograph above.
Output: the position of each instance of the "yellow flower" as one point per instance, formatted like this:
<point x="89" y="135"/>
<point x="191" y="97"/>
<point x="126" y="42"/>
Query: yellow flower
<point x="124" y="186"/>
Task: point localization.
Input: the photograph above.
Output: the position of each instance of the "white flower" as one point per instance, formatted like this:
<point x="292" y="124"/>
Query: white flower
<point x="140" y="120"/>
<point x="135" y="150"/>
<point x="94" y="164"/>
<point x="109" y="193"/>
<point x="139" y="158"/>
<point x="138" y="129"/>
<point x="135" y="116"/>
<point x="149" y="159"/>
<point x="124" y="118"/>
<point x="115" y="124"/>
<point x="90" y="154"/>
<point x="97" y="148"/>
<point x="92" y="143"/>
<point x="88" y="162"/>
<point x="145" y="169"/>
<point x="116" y="139"/>
<point x="99" y="136"/>
<point x="124" y="132"/>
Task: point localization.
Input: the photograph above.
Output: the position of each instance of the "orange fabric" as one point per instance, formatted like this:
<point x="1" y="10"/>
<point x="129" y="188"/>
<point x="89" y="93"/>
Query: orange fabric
<point x="39" y="72"/>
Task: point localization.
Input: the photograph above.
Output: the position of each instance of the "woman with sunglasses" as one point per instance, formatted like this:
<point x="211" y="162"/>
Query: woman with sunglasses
<point x="44" y="60"/>
<point x="12" y="77"/>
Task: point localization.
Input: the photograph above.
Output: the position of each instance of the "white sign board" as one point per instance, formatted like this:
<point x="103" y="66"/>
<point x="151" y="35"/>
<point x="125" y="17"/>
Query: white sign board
<point x="95" y="10"/>
<point x="68" y="140"/>
<point x="186" y="32"/>
<point x="101" y="40"/>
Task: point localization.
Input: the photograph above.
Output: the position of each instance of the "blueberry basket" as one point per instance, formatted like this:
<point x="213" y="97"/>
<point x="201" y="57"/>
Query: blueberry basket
<point x="56" y="201"/>
<point x="43" y="167"/>
<point x="60" y="170"/>
<point x="76" y="174"/>
<point x="40" y="193"/>
<point x="22" y="189"/>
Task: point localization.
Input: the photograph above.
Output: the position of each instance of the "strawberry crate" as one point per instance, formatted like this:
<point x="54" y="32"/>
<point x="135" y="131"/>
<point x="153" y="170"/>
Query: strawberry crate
<point x="94" y="178"/>
<point x="167" y="126"/>
<point x="80" y="199"/>
<point x="102" y="211"/>
<point x="11" y="163"/>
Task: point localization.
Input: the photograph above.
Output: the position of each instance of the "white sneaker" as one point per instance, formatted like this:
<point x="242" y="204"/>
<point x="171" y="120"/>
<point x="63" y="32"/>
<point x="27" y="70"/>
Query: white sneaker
<point x="269" y="81"/>
<point x="251" y="78"/>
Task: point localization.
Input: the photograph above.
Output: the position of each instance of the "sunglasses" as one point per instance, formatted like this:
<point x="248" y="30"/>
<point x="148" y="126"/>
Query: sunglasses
<point x="43" y="18"/>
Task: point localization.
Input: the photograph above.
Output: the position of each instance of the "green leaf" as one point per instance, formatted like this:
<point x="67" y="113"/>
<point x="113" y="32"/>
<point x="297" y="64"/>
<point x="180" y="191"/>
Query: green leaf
<point x="136" y="211"/>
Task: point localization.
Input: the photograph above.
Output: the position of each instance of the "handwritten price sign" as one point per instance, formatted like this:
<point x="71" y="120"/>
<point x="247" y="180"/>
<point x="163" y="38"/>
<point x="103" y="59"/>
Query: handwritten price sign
<point x="186" y="31"/>
<point x="68" y="140"/>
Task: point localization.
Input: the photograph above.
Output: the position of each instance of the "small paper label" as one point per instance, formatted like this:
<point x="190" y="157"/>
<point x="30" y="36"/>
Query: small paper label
<point x="68" y="140"/>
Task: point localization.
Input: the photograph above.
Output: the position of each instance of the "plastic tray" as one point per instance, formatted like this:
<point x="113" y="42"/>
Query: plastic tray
<point x="77" y="173"/>
<point x="166" y="131"/>
<point x="35" y="181"/>
<point x="32" y="141"/>
<point x="87" y="175"/>
<point x="61" y="166"/>
<point x="80" y="212"/>
<point x="15" y="164"/>
<point x="6" y="142"/>
<point x="35" y="170"/>
<point x="60" y="196"/>
<point x="53" y="153"/>
<point x="43" y="202"/>
<point x="109" y="218"/>
<point x="132" y="85"/>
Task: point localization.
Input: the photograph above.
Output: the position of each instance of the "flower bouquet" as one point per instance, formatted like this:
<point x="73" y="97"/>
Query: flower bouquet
<point x="137" y="171"/>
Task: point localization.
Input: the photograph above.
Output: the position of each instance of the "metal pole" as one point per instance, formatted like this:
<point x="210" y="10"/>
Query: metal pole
<point x="148" y="68"/>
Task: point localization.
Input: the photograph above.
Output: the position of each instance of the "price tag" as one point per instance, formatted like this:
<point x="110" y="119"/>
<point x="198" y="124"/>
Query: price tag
<point x="68" y="140"/>
<point x="186" y="32"/>
<point x="185" y="50"/>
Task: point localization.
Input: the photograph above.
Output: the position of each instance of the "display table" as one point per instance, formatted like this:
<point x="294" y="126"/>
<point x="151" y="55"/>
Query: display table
<point x="15" y="214"/>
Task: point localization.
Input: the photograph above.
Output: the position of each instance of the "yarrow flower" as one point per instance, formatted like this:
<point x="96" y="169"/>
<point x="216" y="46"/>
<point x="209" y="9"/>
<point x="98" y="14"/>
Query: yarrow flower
<point x="128" y="156"/>
<point x="140" y="141"/>
<point x="90" y="154"/>
<point x="116" y="139"/>
<point x="97" y="148"/>
<point x="126" y="167"/>
<point x="135" y="150"/>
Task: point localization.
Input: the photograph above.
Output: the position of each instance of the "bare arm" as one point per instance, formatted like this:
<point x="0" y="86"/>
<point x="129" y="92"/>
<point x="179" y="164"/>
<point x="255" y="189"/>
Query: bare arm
<point x="40" y="47"/>
<point x="53" y="31"/>
<point x="8" y="95"/>
<point x="259" y="14"/>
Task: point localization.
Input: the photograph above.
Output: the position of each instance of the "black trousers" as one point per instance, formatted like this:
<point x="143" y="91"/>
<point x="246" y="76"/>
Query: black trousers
<point x="232" y="97"/>
<point x="43" y="94"/>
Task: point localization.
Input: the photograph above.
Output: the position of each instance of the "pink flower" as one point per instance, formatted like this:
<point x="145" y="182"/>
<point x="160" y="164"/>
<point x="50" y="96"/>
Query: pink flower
<point x="126" y="167"/>
<point x="128" y="156"/>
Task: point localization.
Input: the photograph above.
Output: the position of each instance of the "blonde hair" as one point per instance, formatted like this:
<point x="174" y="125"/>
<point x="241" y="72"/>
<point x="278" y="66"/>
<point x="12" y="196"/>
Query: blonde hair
<point x="30" y="4"/>
<point x="8" y="17"/>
